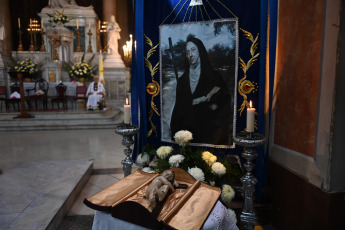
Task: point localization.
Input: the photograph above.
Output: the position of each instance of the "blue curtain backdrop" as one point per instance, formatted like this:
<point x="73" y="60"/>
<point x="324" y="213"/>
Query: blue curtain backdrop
<point x="149" y="15"/>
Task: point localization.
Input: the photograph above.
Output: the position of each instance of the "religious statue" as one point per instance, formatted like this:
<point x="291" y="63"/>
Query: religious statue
<point x="65" y="4"/>
<point x="160" y="187"/>
<point x="113" y="30"/>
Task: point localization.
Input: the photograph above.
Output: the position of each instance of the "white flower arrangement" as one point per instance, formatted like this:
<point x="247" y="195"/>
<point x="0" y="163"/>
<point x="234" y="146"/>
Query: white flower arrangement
<point x="209" y="158"/>
<point x="232" y="215"/>
<point x="26" y="66"/>
<point x="183" y="137"/>
<point x="218" y="169"/>
<point x="164" y="151"/>
<point x="228" y="193"/>
<point x="175" y="160"/>
<point x="197" y="173"/>
<point x="81" y="69"/>
<point x="59" y="17"/>
<point x="148" y="170"/>
<point x="143" y="159"/>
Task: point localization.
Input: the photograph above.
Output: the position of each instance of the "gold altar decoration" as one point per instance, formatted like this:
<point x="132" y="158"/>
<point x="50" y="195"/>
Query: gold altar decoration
<point x="55" y="40"/>
<point x="78" y="42"/>
<point x="33" y="29"/>
<point x="245" y="86"/>
<point x="154" y="86"/>
<point x="43" y="46"/>
<point x="103" y="30"/>
<point x="20" y="46"/>
<point x="89" y="48"/>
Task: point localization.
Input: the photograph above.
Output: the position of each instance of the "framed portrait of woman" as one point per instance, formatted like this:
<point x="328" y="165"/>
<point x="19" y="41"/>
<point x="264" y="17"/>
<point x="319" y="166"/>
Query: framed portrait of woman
<point x="199" y="65"/>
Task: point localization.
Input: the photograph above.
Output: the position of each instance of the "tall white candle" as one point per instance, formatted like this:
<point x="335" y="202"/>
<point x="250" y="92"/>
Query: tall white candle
<point x="19" y="23"/>
<point x="127" y="112"/>
<point x="89" y="25"/>
<point x="250" y="118"/>
<point x="77" y="24"/>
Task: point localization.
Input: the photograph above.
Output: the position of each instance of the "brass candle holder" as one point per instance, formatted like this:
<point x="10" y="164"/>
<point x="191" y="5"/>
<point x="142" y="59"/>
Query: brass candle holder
<point x="78" y="42"/>
<point x="89" y="48"/>
<point x="43" y="46"/>
<point x="20" y="46"/>
<point x="32" y="47"/>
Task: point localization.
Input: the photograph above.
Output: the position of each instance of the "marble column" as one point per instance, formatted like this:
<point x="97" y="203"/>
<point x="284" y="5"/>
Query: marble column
<point x="109" y="8"/>
<point x="6" y="44"/>
<point x="5" y="19"/>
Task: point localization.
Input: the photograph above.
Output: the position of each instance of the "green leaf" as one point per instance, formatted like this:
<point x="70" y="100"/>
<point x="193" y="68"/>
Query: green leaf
<point x="91" y="59"/>
<point x="82" y="58"/>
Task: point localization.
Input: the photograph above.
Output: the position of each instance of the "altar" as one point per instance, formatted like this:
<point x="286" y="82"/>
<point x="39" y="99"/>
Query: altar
<point x="70" y="32"/>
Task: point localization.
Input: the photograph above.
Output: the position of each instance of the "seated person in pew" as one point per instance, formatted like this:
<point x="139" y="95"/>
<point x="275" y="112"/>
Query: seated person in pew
<point x="95" y="93"/>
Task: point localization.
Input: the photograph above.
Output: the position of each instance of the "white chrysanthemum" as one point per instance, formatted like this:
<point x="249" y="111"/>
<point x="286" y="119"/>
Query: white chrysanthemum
<point x="227" y="193"/>
<point x="183" y="137"/>
<point x="175" y="160"/>
<point x="209" y="158"/>
<point x="148" y="170"/>
<point x="164" y="151"/>
<point x="197" y="173"/>
<point x="143" y="159"/>
<point x="154" y="163"/>
<point x="218" y="169"/>
<point x="232" y="215"/>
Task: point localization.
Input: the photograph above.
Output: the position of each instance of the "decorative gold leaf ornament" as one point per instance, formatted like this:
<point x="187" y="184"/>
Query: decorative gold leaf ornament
<point x="245" y="86"/>
<point x="153" y="87"/>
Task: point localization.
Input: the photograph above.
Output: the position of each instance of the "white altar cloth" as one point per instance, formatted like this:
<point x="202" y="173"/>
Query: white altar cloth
<point x="219" y="218"/>
<point x="70" y="91"/>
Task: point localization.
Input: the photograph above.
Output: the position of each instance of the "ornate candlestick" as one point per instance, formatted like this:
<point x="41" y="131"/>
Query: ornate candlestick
<point x="78" y="42"/>
<point x="249" y="141"/>
<point x="43" y="47"/>
<point x="89" y="48"/>
<point x="32" y="47"/>
<point x="20" y="46"/>
<point x="127" y="131"/>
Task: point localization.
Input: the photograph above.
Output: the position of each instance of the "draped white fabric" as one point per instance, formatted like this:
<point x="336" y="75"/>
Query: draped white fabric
<point x="219" y="219"/>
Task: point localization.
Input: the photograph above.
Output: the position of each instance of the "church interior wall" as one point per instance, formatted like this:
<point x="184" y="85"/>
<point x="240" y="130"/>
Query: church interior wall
<point x="306" y="165"/>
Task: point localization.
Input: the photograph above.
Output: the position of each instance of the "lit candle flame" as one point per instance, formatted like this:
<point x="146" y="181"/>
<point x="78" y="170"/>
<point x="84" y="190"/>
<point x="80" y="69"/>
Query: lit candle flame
<point x="127" y="103"/>
<point x="250" y="104"/>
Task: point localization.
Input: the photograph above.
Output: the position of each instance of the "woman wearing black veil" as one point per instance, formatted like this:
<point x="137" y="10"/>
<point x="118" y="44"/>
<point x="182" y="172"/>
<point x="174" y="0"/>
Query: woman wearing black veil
<point x="203" y="101"/>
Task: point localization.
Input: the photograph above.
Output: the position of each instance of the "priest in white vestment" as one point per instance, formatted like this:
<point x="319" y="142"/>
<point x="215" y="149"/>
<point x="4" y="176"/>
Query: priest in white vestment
<point x="96" y="93"/>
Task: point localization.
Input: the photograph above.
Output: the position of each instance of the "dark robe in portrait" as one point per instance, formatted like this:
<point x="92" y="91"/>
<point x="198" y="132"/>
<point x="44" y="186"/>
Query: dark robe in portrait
<point x="208" y="121"/>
